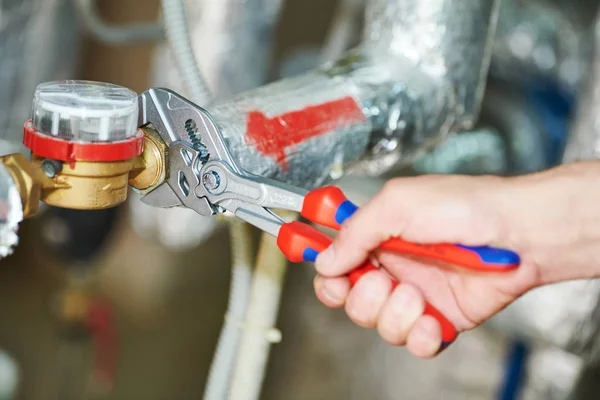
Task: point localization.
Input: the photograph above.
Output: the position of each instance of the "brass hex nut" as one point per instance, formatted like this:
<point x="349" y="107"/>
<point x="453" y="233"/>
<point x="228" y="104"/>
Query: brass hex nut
<point x="150" y="168"/>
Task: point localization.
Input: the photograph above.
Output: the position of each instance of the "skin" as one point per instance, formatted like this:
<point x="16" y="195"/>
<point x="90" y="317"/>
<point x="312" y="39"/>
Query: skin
<point x="551" y="219"/>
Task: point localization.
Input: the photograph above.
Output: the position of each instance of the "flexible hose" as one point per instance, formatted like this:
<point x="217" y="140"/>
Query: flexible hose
<point x="241" y="279"/>
<point x="179" y="38"/>
<point x="261" y="316"/>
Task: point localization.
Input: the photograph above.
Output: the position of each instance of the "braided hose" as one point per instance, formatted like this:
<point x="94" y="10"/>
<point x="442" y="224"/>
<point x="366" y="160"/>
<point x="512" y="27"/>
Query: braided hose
<point x="178" y="35"/>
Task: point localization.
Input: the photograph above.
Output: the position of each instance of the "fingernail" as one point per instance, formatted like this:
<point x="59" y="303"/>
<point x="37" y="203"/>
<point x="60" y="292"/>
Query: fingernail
<point x="333" y="292"/>
<point x="326" y="257"/>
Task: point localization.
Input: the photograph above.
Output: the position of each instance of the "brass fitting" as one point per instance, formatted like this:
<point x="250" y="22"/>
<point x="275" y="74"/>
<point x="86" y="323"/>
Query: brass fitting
<point x="86" y="185"/>
<point x="30" y="180"/>
<point x="150" y="168"/>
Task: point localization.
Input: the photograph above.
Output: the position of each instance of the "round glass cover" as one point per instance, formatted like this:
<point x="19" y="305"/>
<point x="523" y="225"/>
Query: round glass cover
<point x="85" y="111"/>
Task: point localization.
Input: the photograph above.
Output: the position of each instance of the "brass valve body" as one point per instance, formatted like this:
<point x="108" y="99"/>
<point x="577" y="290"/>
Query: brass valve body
<point x="87" y="185"/>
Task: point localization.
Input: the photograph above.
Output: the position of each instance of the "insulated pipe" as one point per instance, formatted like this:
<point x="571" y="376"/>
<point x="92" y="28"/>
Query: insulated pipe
<point x="419" y="74"/>
<point x="584" y="138"/>
<point x="236" y="43"/>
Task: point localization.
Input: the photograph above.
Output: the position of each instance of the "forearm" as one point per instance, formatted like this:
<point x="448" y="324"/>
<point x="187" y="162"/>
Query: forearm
<point x="553" y="219"/>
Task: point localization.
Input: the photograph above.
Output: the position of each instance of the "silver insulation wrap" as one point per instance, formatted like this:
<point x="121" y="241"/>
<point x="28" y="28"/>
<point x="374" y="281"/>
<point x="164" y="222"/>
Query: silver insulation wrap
<point x="11" y="213"/>
<point x="541" y="38"/>
<point x="300" y="130"/>
<point x="232" y="41"/>
<point x="584" y="138"/>
<point x="419" y="75"/>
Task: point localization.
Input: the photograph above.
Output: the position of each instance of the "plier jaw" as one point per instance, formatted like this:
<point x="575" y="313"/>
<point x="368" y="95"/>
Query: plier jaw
<point x="192" y="138"/>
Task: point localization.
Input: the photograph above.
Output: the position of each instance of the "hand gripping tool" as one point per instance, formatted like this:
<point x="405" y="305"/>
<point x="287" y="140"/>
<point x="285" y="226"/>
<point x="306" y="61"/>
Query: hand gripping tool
<point x="204" y="176"/>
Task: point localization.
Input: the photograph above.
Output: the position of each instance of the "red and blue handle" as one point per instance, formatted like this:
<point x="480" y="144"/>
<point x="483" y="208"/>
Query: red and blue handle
<point x="329" y="207"/>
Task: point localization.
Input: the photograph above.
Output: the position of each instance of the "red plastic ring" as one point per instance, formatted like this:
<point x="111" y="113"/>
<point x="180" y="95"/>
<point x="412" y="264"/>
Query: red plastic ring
<point x="63" y="150"/>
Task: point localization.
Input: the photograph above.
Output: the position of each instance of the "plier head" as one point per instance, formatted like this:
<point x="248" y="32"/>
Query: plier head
<point x="193" y="139"/>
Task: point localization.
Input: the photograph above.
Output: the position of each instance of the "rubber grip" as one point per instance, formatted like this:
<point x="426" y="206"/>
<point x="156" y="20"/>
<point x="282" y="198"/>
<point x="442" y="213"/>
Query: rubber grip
<point x="449" y="332"/>
<point x="486" y="259"/>
<point x="328" y="206"/>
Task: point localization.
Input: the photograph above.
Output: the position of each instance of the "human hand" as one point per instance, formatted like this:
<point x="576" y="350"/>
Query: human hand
<point x="543" y="217"/>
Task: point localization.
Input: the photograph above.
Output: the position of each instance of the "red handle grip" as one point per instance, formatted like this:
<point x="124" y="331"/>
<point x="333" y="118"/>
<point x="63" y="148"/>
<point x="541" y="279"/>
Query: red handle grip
<point x="328" y="206"/>
<point x="301" y="242"/>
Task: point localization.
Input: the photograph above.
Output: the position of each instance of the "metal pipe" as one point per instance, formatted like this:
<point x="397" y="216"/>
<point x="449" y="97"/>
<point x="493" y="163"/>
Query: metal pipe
<point x="419" y="74"/>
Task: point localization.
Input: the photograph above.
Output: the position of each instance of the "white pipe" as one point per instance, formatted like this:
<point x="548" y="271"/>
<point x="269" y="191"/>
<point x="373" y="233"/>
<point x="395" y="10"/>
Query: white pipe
<point x="259" y="330"/>
<point x="178" y="35"/>
<point x="241" y="278"/>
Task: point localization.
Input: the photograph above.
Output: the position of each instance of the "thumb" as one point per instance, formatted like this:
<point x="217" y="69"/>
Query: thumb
<point x="430" y="209"/>
<point x="362" y="233"/>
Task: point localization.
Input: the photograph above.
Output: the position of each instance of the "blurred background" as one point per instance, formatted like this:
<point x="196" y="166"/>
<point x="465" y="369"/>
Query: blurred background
<point x="154" y="284"/>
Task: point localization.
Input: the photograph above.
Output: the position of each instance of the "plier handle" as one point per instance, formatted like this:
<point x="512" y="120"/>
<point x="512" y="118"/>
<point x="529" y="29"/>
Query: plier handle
<point x="205" y="177"/>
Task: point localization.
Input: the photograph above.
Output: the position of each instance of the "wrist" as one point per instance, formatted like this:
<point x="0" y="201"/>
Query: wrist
<point x="553" y="220"/>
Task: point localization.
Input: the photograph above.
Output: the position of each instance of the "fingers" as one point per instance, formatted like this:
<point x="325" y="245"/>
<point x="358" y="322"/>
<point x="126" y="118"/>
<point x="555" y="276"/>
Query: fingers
<point x="425" y="338"/>
<point x="332" y="291"/>
<point x="367" y="298"/>
<point x="397" y="314"/>
<point x="401" y="311"/>
<point x="362" y="233"/>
